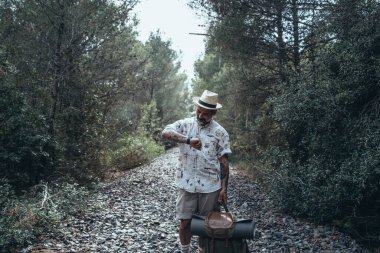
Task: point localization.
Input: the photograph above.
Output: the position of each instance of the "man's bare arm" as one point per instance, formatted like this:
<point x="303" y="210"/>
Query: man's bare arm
<point x="173" y="136"/>
<point x="180" y="138"/>
<point x="224" y="175"/>
<point x="224" y="171"/>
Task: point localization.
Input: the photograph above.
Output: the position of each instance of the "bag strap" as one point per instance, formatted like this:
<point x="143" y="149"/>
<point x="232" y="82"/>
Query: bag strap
<point x="226" y="233"/>
<point x="224" y="206"/>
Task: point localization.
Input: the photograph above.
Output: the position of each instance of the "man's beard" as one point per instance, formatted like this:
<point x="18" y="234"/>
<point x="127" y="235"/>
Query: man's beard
<point x="203" y="122"/>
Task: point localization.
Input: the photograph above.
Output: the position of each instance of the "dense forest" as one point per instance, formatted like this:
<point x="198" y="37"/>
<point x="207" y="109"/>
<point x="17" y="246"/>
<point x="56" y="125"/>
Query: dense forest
<point x="82" y="97"/>
<point x="300" y="84"/>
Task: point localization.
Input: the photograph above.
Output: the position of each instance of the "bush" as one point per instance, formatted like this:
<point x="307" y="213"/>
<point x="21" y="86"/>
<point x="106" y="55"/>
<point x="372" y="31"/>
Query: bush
<point x="24" y="142"/>
<point x="133" y="150"/>
<point x="329" y="169"/>
<point x="41" y="211"/>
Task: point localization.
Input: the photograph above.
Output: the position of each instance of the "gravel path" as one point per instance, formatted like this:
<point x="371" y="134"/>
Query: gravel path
<point x="139" y="216"/>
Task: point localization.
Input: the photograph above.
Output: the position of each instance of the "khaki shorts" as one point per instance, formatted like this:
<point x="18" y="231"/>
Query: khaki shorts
<point x="200" y="203"/>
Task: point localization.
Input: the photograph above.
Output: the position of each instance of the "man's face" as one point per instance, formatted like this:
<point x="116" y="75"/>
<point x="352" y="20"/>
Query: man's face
<point x="204" y="116"/>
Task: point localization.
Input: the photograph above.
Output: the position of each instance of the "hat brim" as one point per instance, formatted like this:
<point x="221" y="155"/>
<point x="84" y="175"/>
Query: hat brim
<point x="196" y="101"/>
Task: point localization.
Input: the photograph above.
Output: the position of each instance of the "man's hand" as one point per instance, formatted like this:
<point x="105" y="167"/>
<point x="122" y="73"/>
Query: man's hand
<point x="196" y="143"/>
<point x="223" y="196"/>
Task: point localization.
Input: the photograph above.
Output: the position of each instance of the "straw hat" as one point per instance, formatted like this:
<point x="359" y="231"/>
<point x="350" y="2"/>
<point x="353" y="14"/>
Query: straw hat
<point x="208" y="100"/>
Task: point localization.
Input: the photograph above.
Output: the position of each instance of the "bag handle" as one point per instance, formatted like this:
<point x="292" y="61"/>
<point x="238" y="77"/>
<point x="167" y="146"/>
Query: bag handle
<point x="224" y="206"/>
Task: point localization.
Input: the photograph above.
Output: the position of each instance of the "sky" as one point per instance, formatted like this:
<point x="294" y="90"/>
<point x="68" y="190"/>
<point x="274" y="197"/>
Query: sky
<point x="176" y="21"/>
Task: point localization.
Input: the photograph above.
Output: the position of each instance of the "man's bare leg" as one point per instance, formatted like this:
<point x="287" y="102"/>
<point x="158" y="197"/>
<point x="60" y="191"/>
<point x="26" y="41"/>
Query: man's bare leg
<point x="200" y="250"/>
<point x="185" y="235"/>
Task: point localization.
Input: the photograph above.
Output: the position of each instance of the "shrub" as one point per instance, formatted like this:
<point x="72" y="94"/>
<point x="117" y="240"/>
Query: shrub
<point x="133" y="150"/>
<point x="42" y="210"/>
<point x="329" y="169"/>
<point x="24" y="142"/>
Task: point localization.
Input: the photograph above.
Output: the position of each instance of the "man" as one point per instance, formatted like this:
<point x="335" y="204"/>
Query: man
<point x="203" y="168"/>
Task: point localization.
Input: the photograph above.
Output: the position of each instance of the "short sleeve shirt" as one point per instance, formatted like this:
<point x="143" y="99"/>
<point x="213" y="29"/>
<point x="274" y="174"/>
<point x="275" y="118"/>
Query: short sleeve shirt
<point x="199" y="170"/>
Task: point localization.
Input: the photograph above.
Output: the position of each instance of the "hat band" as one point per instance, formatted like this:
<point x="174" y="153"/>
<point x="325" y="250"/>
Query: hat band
<point x="206" y="104"/>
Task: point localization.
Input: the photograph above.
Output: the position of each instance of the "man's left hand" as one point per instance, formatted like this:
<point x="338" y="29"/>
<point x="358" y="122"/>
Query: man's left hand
<point x="223" y="196"/>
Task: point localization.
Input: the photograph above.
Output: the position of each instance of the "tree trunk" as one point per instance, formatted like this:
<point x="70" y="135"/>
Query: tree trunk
<point x="280" y="40"/>
<point x="57" y="78"/>
<point x="296" y="46"/>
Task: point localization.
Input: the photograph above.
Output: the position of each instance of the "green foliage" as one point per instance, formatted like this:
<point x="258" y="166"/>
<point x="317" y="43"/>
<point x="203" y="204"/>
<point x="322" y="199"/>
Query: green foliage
<point x="299" y="85"/>
<point x="150" y="121"/>
<point x="330" y="168"/>
<point x="74" y="79"/>
<point x="162" y="80"/>
<point x="132" y="150"/>
<point x="41" y="211"/>
<point x="24" y="142"/>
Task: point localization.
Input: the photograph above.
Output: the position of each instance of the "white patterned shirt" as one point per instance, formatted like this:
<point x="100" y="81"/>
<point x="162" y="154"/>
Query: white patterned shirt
<point x="199" y="170"/>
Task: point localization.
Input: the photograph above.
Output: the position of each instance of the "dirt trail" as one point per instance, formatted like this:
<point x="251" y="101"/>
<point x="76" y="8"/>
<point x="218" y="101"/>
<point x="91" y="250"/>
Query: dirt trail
<point x="139" y="216"/>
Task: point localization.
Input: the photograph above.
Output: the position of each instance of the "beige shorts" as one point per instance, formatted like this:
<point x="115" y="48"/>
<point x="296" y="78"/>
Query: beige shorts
<point x="196" y="203"/>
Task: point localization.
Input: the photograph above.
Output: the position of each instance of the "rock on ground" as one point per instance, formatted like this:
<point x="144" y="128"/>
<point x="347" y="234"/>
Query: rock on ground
<point x="139" y="216"/>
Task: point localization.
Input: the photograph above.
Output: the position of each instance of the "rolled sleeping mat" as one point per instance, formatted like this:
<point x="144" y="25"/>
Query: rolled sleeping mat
<point x="244" y="229"/>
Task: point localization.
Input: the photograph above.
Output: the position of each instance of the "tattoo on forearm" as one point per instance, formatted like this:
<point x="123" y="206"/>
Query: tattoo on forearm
<point x="174" y="137"/>
<point x="223" y="171"/>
